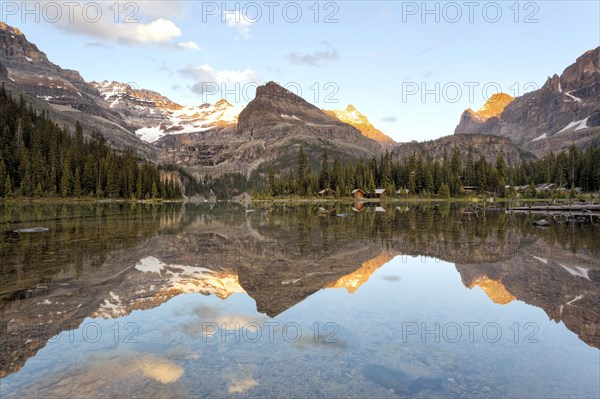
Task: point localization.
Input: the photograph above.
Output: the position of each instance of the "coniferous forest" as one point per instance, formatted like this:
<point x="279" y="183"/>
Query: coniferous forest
<point x="445" y="178"/>
<point x="39" y="158"/>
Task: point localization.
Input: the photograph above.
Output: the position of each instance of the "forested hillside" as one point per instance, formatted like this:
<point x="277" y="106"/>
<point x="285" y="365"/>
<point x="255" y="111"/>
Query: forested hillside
<point x="39" y="158"/>
<point x="446" y="177"/>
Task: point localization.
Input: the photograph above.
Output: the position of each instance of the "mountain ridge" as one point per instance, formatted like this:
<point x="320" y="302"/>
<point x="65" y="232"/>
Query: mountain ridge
<point x="354" y="117"/>
<point x="565" y="105"/>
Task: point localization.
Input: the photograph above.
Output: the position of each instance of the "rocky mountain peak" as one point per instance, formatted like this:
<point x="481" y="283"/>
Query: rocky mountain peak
<point x="276" y="121"/>
<point x="582" y="79"/>
<point x="354" y="117"/>
<point x="10" y="29"/>
<point x="553" y="83"/>
<point x="124" y="94"/>
<point x="493" y="107"/>
<point x="16" y="46"/>
<point x="273" y="92"/>
<point x="274" y="104"/>
<point x="223" y="103"/>
<point x="565" y="110"/>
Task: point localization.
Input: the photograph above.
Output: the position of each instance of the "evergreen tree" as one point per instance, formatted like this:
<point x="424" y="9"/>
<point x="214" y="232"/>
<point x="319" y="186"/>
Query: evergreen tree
<point x="324" y="174"/>
<point x="39" y="191"/>
<point x="2" y="176"/>
<point x="66" y="179"/>
<point x="371" y="186"/>
<point x="481" y="174"/>
<point x="272" y="188"/>
<point x="77" y="183"/>
<point x="412" y="186"/>
<point x="302" y="171"/>
<point x="501" y="169"/>
<point x="444" y="191"/>
<point x="8" y="191"/>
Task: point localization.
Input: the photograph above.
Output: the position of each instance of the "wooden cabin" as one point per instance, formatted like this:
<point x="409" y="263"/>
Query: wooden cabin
<point x="358" y="193"/>
<point x="380" y="192"/>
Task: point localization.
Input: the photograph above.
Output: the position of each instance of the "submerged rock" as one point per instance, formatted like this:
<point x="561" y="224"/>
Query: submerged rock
<point x="400" y="382"/>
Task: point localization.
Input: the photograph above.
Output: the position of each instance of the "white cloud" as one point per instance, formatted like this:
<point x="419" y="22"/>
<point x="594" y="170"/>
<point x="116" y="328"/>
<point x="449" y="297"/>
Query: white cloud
<point x="205" y="75"/>
<point x="188" y="46"/>
<point x="159" y="31"/>
<point x="202" y="72"/>
<point x="239" y="22"/>
<point x="146" y="22"/>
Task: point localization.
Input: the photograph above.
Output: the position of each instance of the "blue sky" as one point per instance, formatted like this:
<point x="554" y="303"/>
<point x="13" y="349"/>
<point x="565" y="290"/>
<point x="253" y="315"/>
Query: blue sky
<point x="411" y="67"/>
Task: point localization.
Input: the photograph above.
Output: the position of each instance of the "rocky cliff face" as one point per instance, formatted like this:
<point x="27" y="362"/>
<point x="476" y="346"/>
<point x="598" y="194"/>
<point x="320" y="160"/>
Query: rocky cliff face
<point x="276" y="111"/>
<point x="138" y="108"/>
<point x="27" y="66"/>
<point x="154" y="116"/>
<point x="565" y="109"/>
<point x="278" y="122"/>
<point x="480" y="144"/>
<point x="62" y="93"/>
<point x="493" y="108"/>
<point x="354" y="117"/>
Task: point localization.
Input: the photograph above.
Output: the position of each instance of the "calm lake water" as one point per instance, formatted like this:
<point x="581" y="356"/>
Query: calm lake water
<point x="389" y="301"/>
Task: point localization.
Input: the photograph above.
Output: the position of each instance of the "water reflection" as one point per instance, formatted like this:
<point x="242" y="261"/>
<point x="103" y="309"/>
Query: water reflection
<point x="170" y="281"/>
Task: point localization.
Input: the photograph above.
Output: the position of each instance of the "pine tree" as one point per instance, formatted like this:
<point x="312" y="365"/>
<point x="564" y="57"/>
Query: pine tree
<point x="271" y="181"/>
<point x="481" y="174"/>
<point x="429" y="186"/>
<point x="77" y="183"/>
<point x="444" y="191"/>
<point x="112" y="178"/>
<point x="302" y="171"/>
<point x="324" y="175"/>
<point x="8" y="191"/>
<point x="412" y="186"/>
<point x="66" y="179"/>
<point x="501" y="169"/>
<point x="371" y="186"/>
<point x="2" y="177"/>
<point x="469" y="173"/>
<point x="455" y="172"/>
<point x="39" y="191"/>
<point x="139" y="188"/>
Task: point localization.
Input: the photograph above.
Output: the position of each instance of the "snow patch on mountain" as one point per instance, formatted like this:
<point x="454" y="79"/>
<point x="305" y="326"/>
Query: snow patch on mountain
<point x="574" y="98"/>
<point x="574" y="126"/>
<point x="192" y="119"/>
<point x="543" y="136"/>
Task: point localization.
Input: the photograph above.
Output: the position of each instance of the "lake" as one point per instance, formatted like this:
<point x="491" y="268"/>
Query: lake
<point x="324" y="301"/>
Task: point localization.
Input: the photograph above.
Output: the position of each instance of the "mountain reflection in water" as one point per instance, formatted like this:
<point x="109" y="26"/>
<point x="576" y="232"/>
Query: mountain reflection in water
<point x="105" y="262"/>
